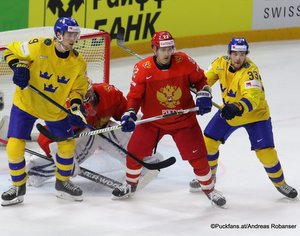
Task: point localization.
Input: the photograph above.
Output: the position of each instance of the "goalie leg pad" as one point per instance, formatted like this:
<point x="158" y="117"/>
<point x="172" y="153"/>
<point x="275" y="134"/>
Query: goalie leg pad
<point x="4" y="127"/>
<point x="39" y="170"/>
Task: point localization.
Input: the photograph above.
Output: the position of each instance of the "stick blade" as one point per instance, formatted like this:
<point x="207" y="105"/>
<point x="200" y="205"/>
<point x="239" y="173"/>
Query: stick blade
<point x="121" y="33"/>
<point x="121" y="36"/>
<point x="160" y="165"/>
<point x="48" y="134"/>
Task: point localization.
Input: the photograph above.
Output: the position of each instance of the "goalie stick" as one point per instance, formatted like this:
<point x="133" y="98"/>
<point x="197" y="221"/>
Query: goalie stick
<point x="150" y="166"/>
<point x="121" y="43"/>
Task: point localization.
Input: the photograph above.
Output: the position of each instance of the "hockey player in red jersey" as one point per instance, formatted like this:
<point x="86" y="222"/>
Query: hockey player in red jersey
<point x="102" y="102"/>
<point x="160" y="85"/>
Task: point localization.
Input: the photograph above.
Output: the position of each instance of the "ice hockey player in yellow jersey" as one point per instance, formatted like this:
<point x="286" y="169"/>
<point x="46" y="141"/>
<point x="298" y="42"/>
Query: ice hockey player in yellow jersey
<point x="55" y="68"/>
<point x="245" y="106"/>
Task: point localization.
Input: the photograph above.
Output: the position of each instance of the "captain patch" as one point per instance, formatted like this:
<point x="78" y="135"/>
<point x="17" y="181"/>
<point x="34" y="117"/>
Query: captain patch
<point x="252" y="84"/>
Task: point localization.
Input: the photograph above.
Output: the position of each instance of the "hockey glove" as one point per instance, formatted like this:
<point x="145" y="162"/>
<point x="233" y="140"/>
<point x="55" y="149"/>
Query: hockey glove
<point x="21" y="74"/>
<point x="232" y="110"/>
<point x="78" y="116"/>
<point x="204" y="101"/>
<point x="127" y="121"/>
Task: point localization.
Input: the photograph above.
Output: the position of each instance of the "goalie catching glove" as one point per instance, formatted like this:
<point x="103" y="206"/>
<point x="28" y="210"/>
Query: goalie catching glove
<point x="21" y="74"/>
<point x="127" y="121"/>
<point x="204" y="100"/>
<point x="232" y="110"/>
<point x="78" y="116"/>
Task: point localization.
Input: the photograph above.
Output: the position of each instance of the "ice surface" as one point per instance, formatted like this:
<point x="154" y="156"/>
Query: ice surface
<point x="165" y="206"/>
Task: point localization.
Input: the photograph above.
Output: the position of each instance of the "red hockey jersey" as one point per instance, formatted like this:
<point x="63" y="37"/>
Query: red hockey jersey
<point x="159" y="92"/>
<point x="112" y="104"/>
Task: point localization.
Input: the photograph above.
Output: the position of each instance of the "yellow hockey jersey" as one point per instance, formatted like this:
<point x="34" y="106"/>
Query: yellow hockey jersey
<point x="59" y="78"/>
<point x="244" y="85"/>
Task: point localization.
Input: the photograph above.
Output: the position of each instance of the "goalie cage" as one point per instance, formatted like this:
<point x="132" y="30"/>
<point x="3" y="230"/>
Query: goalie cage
<point x="95" y="49"/>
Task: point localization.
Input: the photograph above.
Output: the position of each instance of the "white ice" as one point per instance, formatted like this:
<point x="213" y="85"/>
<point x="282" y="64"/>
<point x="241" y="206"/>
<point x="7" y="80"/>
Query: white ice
<point x="165" y="206"/>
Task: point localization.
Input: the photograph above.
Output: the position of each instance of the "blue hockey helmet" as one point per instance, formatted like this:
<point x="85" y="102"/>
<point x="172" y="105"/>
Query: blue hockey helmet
<point x="66" y="24"/>
<point x="238" y="45"/>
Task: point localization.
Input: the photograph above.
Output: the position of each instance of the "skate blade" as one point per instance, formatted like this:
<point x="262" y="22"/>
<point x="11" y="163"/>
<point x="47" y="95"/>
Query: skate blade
<point x="66" y="196"/>
<point x="15" y="201"/>
<point x="195" y="190"/>
<point x="113" y="197"/>
<point x="218" y="206"/>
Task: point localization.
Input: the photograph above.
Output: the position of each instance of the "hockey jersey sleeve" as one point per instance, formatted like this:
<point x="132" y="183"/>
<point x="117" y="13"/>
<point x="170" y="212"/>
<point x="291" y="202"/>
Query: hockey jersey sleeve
<point x="212" y="73"/>
<point x="17" y="51"/>
<point x="122" y="105"/>
<point x="196" y="75"/>
<point x="137" y="88"/>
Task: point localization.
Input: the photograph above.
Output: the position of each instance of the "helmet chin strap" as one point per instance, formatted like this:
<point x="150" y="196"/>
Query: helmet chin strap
<point x="60" y="41"/>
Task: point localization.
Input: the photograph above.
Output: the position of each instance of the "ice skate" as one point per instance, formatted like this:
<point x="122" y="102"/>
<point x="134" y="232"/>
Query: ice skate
<point x="124" y="191"/>
<point x="13" y="196"/>
<point x="195" y="186"/>
<point x="216" y="198"/>
<point x="287" y="191"/>
<point x="67" y="190"/>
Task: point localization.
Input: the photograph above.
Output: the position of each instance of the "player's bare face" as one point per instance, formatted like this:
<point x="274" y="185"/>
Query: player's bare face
<point x="238" y="59"/>
<point x="67" y="41"/>
<point x="163" y="55"/>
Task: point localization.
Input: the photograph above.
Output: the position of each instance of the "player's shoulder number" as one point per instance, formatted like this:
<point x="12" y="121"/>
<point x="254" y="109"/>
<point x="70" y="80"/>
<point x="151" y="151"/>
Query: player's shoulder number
<point x="253" y="75"/>
<point x="32" y="41"/>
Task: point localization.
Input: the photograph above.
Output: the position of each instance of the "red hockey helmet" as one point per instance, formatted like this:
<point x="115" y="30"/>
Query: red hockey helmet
<point x="162" y="39"/>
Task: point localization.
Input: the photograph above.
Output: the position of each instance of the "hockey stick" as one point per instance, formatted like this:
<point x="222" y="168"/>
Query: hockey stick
<point x="120" y="42"/>
<point x="83" y="172"/>
<point x="150" y="166"/>
<point x="47" y="133"/>
<point x="55" y="138"/>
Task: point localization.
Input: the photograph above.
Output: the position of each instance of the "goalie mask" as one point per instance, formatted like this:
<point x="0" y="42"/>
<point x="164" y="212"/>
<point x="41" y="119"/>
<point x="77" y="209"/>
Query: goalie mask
<point x="90" y="100"/>
<point x="162" y="39"/>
